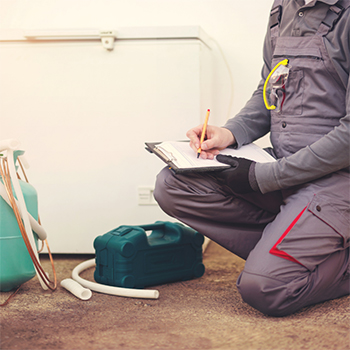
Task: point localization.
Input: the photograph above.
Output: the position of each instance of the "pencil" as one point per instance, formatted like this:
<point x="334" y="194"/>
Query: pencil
<point x="203" y="133"/>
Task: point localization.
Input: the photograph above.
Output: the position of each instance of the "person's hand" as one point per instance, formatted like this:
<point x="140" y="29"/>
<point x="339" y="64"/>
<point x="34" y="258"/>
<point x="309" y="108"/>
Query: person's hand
<point x="237" y="176"/>
<point x="216" y="138"/>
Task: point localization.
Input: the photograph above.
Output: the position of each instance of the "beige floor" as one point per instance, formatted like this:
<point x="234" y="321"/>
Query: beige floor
<point x="206" y="313"/>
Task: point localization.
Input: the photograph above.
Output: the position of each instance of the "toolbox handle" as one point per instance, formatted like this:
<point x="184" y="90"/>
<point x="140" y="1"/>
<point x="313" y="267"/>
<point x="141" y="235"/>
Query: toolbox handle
<point x="123" y="230"/>
<point x="156" y="225"/>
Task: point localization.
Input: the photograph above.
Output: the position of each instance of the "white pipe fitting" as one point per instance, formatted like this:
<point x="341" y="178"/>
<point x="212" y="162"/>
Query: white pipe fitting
<point x="76" y="289"/>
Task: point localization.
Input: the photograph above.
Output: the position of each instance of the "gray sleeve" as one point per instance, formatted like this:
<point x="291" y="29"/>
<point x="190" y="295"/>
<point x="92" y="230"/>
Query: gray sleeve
<point x="327" y="155"/>
<point x="253" y="121"/>
<point x="331" y="152"/>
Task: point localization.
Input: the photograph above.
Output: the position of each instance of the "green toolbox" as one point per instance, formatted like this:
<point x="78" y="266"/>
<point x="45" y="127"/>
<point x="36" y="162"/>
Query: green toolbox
<point x="131" y="257"/>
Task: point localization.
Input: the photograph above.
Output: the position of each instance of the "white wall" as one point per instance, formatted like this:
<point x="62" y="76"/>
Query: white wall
<point x="237" y="31"/>
<point x="236" y="26"/>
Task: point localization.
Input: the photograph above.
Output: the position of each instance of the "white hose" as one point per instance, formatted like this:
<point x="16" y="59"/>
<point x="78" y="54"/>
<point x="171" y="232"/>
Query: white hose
<point x="101" y="288"/>
<point x="10" y="146"/>
<point x="37" y="228"/>
<point x="75" y="288"/>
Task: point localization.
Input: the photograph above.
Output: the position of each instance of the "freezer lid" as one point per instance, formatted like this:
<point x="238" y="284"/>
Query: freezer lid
<point x="107" y="36"/>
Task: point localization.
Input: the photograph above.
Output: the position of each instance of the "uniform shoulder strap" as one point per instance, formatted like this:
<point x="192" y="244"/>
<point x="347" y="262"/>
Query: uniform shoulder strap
<point x="275" y="14"/>
<point x="275" y="18"/>
<point x="332" y="16"/>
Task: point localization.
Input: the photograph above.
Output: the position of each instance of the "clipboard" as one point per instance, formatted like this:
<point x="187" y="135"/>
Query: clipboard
<point x="171" y="159"/>
<point x="179" y="156"/>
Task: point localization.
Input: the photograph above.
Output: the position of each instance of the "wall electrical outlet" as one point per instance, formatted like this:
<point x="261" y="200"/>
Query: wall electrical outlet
<point x="145" y="195"/>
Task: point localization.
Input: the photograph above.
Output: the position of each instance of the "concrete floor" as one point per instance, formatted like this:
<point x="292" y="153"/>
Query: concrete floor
<point x="205" y="313"/>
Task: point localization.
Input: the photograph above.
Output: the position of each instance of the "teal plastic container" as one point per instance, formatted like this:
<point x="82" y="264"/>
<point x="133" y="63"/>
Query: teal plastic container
<point x="128" y="257"/>
<point x="16" y="266"/>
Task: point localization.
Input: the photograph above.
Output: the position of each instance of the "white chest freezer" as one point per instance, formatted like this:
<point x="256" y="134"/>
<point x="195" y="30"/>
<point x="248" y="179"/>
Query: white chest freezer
<point x="82" y="104"/>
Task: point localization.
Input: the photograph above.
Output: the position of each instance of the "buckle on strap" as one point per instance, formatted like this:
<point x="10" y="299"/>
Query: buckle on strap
<point x="333" y="13"/>
<point x="275" y="16"/>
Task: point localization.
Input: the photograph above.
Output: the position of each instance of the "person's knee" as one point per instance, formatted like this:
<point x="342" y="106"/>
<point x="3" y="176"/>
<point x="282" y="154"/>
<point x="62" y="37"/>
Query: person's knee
<point x="161" y="191"/>
<point x="159" y="185"/>
<point x="268" y="295"/>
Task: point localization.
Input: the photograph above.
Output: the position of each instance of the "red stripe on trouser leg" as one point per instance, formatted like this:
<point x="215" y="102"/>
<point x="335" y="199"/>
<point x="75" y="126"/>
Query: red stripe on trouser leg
<point x="275" y="251"/>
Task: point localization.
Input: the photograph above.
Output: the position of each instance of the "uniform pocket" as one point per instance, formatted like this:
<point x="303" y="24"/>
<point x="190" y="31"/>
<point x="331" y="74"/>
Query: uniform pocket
<point x="294" y="90"/>
<point x="334" y="213"/>
<point x="302" y="62"/>
<point x="322" y="228"/>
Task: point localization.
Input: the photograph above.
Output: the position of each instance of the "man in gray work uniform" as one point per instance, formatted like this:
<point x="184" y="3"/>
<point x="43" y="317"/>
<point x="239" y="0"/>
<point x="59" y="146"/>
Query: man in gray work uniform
<point x="289" y="219"/>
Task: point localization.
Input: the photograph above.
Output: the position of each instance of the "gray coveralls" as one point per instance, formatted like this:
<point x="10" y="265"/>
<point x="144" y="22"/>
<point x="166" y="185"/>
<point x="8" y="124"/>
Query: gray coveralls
<point x="295" y="234"/>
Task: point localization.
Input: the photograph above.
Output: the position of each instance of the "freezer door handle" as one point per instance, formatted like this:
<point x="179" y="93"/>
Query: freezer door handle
<point x="107" y="37"/>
